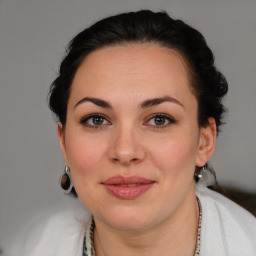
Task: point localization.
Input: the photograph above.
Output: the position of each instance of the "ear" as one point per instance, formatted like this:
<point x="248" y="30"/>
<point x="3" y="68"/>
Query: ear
<point x="207" y="143"/>
<point x="61" y="136"/>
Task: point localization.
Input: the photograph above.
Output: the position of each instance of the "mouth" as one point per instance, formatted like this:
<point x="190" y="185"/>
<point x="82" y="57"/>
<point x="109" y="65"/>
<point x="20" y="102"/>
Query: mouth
<point x="127" y="187"/>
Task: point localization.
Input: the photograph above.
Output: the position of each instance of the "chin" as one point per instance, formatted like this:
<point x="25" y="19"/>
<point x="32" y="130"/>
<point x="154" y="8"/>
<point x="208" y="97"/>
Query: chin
<point x="129" y="219"/>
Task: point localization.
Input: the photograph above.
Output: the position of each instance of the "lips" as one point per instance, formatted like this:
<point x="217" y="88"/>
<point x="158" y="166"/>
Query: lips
<point x="127" y="187"/>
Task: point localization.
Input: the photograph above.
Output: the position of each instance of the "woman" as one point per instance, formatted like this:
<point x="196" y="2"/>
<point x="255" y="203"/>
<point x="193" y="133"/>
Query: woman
<point x="138" y="103"/>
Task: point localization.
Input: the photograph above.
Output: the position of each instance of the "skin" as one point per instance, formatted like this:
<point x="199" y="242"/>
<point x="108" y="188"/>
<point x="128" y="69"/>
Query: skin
<point x="128" y="142"/>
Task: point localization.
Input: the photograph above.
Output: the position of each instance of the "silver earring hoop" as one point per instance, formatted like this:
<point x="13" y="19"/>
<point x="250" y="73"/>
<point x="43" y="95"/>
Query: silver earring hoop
<point x="66" y="181"/>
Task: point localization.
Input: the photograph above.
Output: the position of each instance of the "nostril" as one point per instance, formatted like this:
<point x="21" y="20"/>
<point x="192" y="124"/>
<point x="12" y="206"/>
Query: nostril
<point x="125" y="161"/>
<point x="125" y="152"/>
<point x="115" y="160"/>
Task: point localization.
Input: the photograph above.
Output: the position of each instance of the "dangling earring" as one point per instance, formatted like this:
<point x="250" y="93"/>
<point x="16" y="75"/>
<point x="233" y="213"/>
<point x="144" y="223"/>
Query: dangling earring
<point x="206" y="175"/>
<point x="66" y="181"/>
<point x="198" y="173"/>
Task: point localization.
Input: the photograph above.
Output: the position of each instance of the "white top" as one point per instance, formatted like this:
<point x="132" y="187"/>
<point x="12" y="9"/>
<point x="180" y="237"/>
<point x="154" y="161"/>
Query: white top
<point x="227" y="230"/>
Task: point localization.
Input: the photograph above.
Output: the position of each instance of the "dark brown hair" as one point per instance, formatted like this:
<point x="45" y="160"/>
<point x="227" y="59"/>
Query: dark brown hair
<point x="207" y="83"/>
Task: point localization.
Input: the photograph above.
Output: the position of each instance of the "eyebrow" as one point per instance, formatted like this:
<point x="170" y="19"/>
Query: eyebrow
<point x="144" y="104"/>
<point x="157" y="101"/>
<point x="96" y="101"/>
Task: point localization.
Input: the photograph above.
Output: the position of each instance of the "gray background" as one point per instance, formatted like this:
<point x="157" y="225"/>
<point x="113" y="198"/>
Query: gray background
<point x="33" y="36"/>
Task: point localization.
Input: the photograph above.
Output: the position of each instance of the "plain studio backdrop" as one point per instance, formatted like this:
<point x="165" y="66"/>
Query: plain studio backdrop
<point x="33" y="37"/>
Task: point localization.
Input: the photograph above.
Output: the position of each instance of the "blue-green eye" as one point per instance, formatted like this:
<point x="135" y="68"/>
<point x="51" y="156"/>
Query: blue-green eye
<point x="94" y="120"/>
<point x="161" y="120"/>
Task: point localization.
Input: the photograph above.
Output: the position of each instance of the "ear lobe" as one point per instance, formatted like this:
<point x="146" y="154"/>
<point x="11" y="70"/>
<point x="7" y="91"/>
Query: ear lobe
<point x="207" y="143"/>
<point x="62" y="139"/>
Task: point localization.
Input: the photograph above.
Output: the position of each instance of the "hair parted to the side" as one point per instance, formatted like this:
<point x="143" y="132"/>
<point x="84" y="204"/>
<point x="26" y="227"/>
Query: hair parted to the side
<point x="207" y="83"/>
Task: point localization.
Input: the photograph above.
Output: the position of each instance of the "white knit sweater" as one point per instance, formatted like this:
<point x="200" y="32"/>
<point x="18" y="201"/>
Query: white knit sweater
<point x="227" y="230"/>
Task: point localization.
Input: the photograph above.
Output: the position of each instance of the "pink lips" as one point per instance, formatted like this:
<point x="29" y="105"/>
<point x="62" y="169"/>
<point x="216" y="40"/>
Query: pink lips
<point x="127" y="187"/>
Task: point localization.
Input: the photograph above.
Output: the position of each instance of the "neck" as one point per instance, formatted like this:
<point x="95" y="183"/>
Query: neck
<point x="176" y="235"/>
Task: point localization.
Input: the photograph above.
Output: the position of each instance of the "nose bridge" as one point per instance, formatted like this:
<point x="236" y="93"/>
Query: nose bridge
<point x="126" y="145"/>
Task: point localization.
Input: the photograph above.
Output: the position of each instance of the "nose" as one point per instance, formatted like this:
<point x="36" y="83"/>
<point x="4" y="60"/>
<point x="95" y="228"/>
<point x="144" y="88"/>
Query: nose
<point x="126" y="146"/>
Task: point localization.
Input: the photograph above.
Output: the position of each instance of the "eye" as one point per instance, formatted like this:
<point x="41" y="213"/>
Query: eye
<point x="94" y="121"/>
<point x="160" y="120"/>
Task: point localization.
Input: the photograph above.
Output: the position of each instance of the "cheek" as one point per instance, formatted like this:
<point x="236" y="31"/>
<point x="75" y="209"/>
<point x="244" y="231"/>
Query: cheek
<point x="84" y="154"/>
<point x="86" y="159"/>
<point x="175" y="156"/>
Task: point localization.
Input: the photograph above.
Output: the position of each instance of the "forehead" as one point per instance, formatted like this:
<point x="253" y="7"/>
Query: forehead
<point x="134" y="58"/>
<point x="133" y="68"/>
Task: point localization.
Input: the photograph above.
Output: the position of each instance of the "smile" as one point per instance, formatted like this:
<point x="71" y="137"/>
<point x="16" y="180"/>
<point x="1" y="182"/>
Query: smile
<point x="127" y="187"/>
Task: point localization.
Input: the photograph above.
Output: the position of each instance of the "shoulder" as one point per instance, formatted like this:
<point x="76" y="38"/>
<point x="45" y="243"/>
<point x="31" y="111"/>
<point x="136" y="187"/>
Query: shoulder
<point x="59" y="234"/>
<point x="226" y="227"/>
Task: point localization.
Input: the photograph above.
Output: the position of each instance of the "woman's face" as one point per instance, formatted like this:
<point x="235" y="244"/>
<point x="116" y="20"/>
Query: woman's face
<point x="131" y="138"/>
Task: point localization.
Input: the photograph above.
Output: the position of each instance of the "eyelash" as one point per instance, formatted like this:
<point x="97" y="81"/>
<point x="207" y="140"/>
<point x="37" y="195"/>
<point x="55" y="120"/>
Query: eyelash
<point x="85" y="120"/>
<point x="161" y="115"/>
